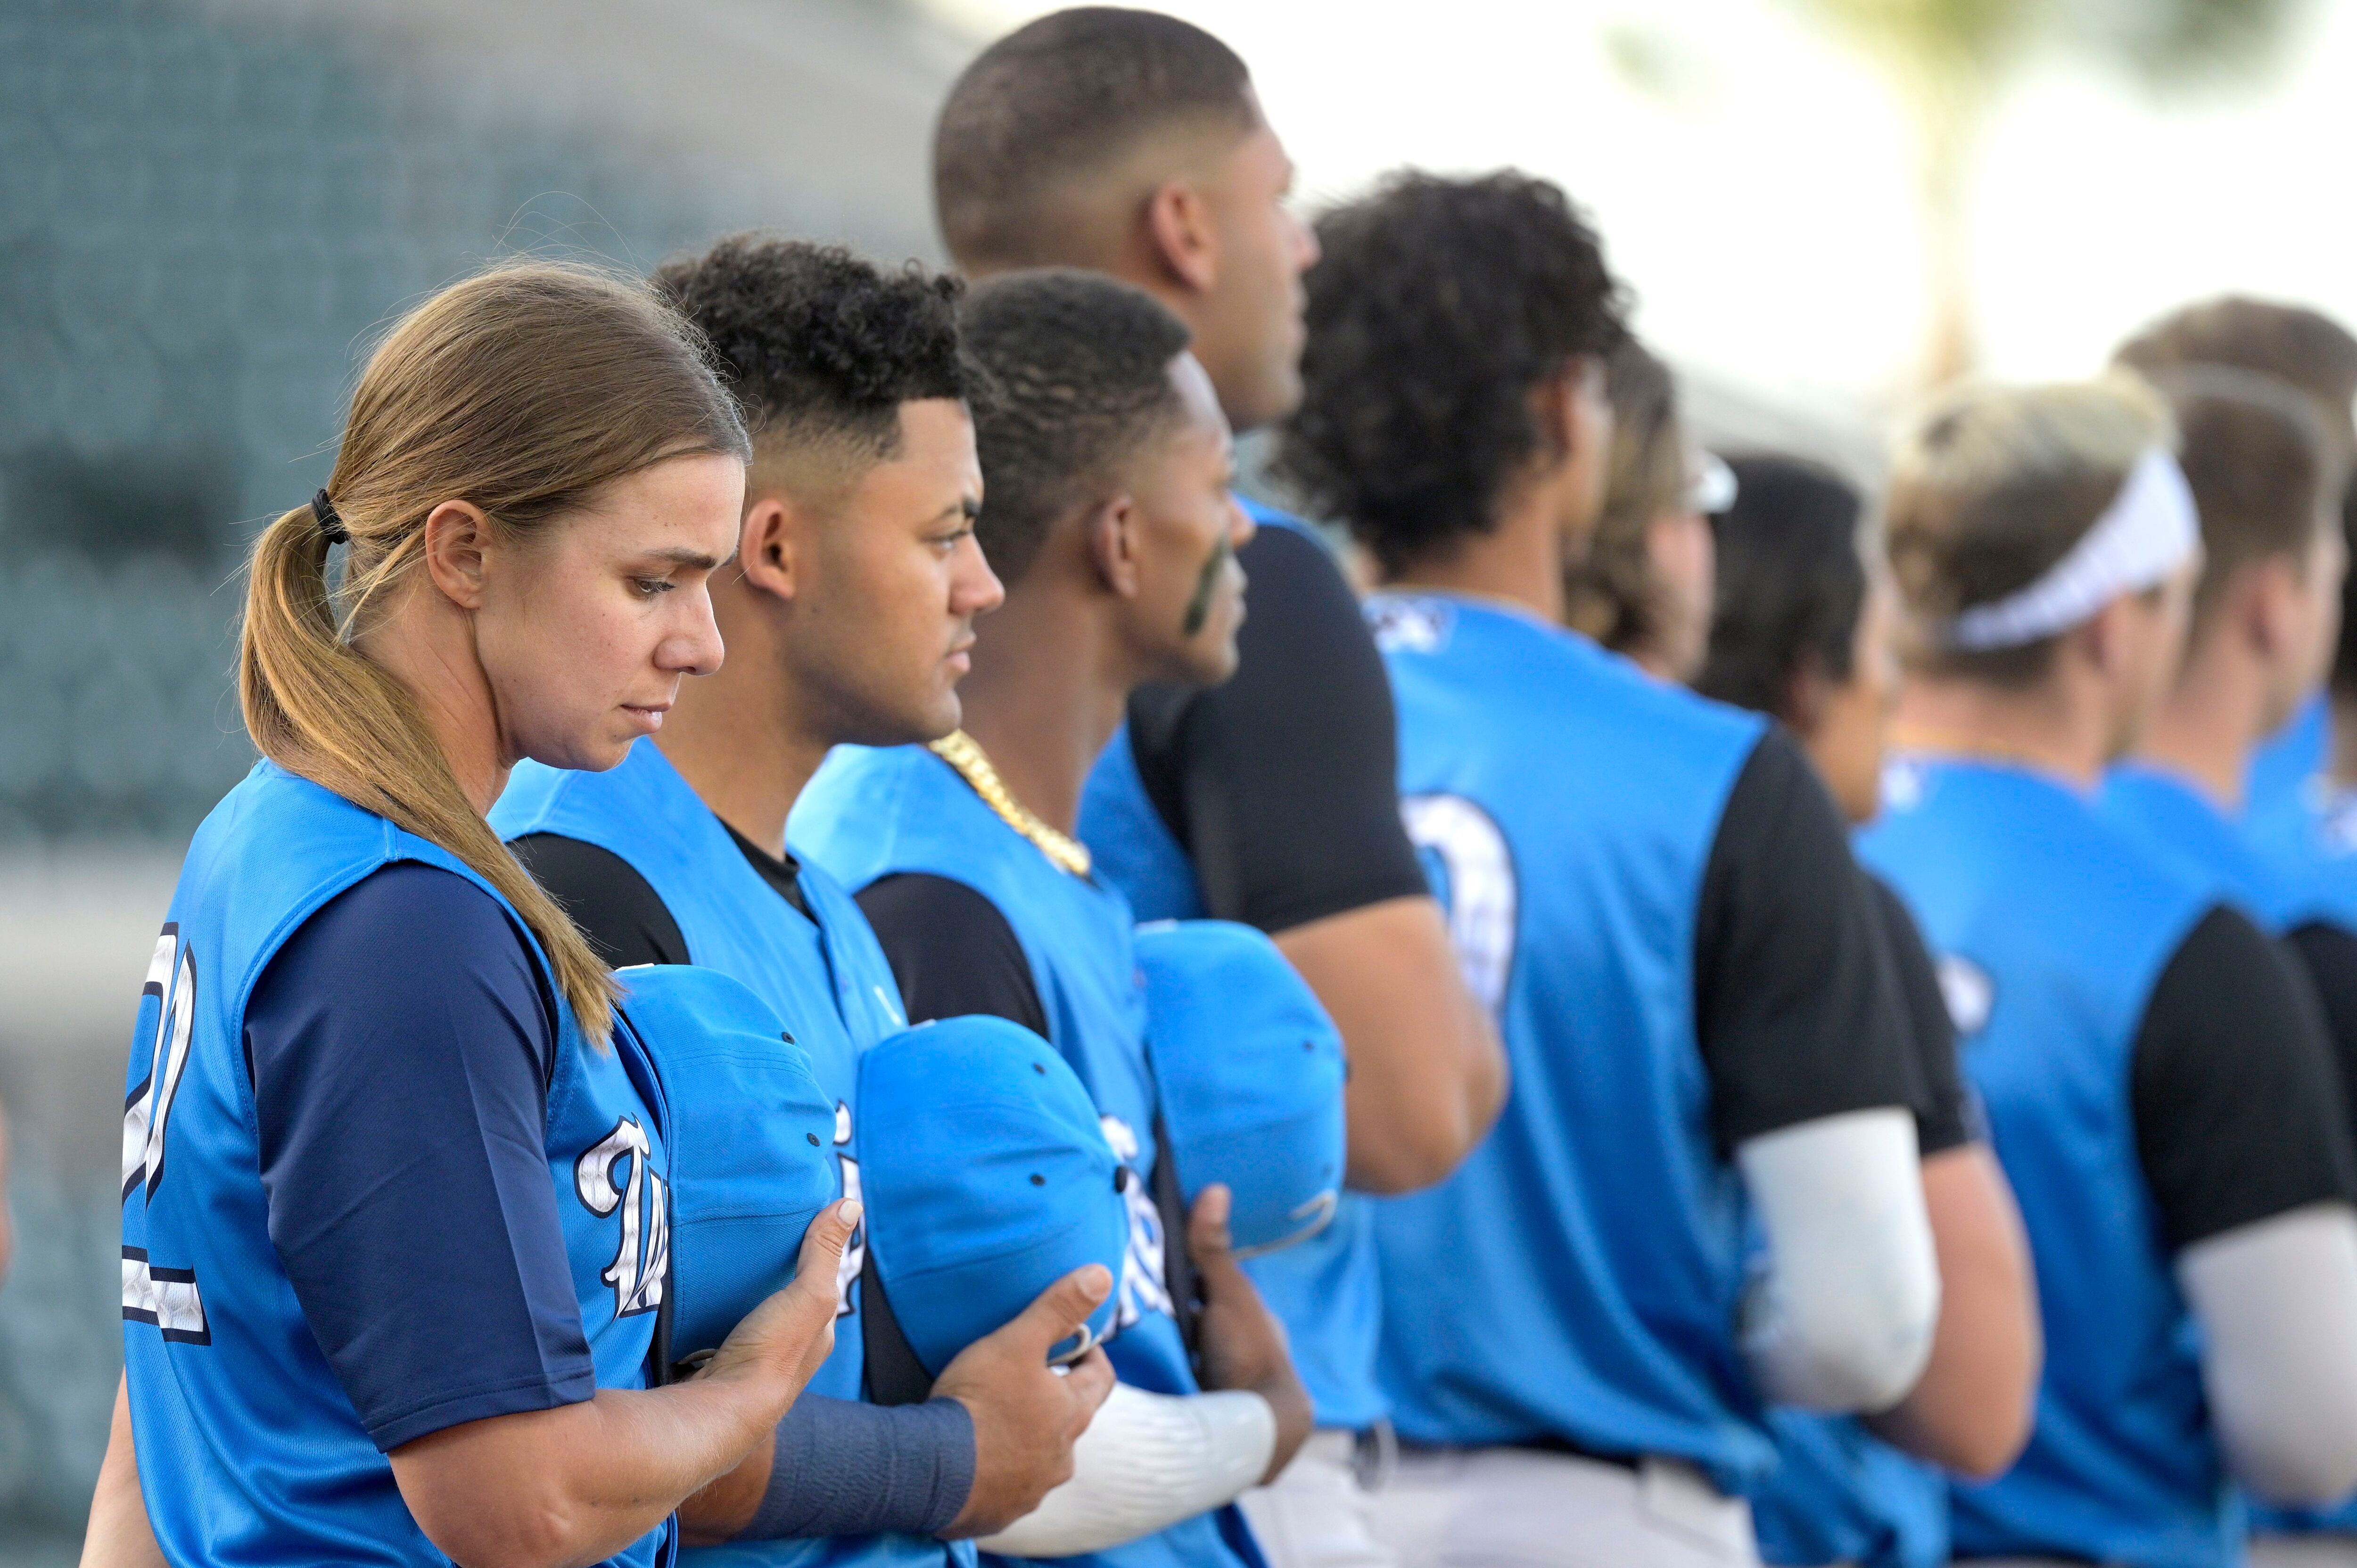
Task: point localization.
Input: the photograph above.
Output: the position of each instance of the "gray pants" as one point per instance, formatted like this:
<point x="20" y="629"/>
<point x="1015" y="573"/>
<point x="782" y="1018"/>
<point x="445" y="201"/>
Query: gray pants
<point x="1514" y="1508"/>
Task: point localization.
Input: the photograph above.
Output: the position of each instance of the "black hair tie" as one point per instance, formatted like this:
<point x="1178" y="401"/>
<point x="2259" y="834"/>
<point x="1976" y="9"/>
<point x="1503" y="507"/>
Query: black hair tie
<point x="323" y="513"/>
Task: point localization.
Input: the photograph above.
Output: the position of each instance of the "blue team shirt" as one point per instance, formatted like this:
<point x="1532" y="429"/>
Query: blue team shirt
<point x="253" y="1445"/>
<point x="1578" y="1276"/>
<point x="870" y="814"/>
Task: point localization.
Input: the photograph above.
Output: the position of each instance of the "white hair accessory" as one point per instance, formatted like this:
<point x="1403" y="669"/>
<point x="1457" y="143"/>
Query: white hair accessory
<point x="2149" y="530"/>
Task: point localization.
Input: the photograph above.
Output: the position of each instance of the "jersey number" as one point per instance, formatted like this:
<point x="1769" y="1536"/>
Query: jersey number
<point x="1477" y="884"/>
<point x="166" y="1297"/>
<point x="645" y="1254"/>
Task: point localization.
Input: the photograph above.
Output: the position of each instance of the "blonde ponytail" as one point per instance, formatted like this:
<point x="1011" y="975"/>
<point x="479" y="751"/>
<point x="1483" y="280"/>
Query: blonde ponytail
<point x="522" y="390"/>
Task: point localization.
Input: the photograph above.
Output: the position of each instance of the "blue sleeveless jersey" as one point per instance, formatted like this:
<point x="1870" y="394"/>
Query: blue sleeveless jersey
<point x="2176" y="820"/>
<point x="249" y="1450"/>
<point x="2051" y="926"/>
<point x="869" y="814"/>
<point x="1323" y="1290"/>
<point x="827" y="979"/>
<point x="1578" y="1276"/>
<point x="1841" y="1495"/>
<point x="2295" y="754"/>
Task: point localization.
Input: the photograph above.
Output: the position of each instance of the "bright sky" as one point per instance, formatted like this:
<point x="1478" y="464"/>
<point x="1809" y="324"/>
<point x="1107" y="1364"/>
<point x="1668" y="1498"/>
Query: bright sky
<point x="1764" y="211"/>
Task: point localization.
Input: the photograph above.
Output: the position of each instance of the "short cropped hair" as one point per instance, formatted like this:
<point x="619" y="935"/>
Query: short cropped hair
<point x="1792" y="583"/>
<point x="1994" y="487"/>
<point x="1079" y="371"/>
<point x="1615" y="595"/>
<point x="1439" y="304"/>
<point x="820" y="347"/>
<point x="2255" y="453"/>
<point x="1062" y="98"/>
<point x="2305" y="347"/>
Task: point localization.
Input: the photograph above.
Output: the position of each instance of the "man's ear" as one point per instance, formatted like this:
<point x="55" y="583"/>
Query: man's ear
<point x="1807" y="690"/>
<point x="770" y="544"/>
<point x="1113" y="545"/>
<point x="2264" y="601"/>
<point x="1179" y="234"/>
<point x="457" y="535"/>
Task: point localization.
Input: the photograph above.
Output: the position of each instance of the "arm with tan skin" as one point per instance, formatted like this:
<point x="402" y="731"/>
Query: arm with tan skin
<point x="1026" y="1416"/>
<point x="1971" y="1409"/>
<point x="578" y="1483"/>
<point x="1427" y="1073"/>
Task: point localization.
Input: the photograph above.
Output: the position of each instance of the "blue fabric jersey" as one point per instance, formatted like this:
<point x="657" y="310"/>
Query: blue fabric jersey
<point x="1840" y="1494"/>
<point x="1578" y="1276"/>
<point x="251" y="1449"/>
<point x="1323" y="1290"/>
<point x="2295" y="754"/>
<point x="874" y="813"/>
<point x="2052" y="926"/>
<point x="825" y="977"/>
<point x="2173" y="819"/>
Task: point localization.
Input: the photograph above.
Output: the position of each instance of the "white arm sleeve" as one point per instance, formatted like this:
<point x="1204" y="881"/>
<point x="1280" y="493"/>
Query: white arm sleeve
<point x="1843" y="1318"/>
<point x="1147" y="1462"/>
<point x="2277" y="1304"/>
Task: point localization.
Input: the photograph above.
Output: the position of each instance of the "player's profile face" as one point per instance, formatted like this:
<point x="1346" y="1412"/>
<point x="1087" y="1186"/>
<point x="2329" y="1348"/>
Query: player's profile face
<point x="900" y="579"/>
<point x="1190" y="597"/>
<point x="1250" y="334"/>
<point x="589" y="624"/>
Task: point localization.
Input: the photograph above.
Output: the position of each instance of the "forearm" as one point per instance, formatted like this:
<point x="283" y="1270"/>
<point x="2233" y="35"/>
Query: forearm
<point x="579" y="1483"/>
<point x="1971" y="1409"/>
<point x="1844" y="1319"/>
<point x="839" y="1468"/>
<point x="1427" y="1073"/>
<point x="118" y="1535"/>
<point x="1147" y="1462"/>
<point x="2276" y="1300"/>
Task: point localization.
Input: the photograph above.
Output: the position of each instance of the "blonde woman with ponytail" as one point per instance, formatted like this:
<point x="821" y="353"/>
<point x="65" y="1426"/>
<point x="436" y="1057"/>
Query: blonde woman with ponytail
<point x="395" y="1218"/>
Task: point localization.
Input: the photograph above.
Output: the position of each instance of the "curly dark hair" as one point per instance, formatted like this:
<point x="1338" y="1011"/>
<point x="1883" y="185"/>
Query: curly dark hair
<point x="1440" y="304"/>
<point x="817" y="342"/>
<point x="1080" y="372"/>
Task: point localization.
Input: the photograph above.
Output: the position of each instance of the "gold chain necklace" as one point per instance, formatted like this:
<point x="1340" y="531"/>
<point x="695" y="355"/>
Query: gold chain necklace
<point x="1064" y="852"/>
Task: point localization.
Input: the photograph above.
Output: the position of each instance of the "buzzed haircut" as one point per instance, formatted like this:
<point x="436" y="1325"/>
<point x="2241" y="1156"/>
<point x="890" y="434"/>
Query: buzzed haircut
<point x="820" y="347"/>
<point x="2305" y="347"/>
<point x="2254" y="455"/>
<point x="1439" y="306"/>
<point x="1058" y="100"/>
<point x="1080" y="373"/>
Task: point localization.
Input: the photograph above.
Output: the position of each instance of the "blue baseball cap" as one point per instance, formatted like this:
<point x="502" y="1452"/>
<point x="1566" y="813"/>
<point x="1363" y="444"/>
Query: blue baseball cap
<point x="1250" y="1070"/>
<point x="752" y="1142"/>
<point x="987" y="1178"/>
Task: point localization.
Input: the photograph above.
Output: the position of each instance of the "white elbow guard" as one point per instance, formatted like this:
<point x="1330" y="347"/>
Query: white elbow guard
<point x="1147" y="1462"/>
<point x="1843" y="1320"/>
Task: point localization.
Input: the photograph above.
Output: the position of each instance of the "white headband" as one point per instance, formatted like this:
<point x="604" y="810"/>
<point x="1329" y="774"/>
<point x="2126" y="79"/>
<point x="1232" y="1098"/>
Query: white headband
<point x="2148" y="531"/>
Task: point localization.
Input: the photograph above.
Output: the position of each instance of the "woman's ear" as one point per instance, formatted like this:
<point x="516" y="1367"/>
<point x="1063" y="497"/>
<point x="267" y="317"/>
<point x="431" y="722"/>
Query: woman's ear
<point x="456" y="537"/>
<point x="1114" y="547"/>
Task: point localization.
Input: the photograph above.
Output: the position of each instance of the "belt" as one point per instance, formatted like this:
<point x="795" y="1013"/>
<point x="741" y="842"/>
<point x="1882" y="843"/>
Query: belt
<point x="1546" y="1443"/>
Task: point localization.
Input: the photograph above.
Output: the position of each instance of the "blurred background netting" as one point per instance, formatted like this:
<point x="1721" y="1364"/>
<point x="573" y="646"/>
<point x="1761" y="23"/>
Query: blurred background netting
<point x="206" y="214"/>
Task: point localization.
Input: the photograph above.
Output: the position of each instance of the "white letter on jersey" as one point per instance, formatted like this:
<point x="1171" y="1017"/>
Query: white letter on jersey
<point x="637" y="1271"/>
<point x="172" y="981"/>
<point x="1480" y="895"/>
<point x="854" y="1251"/>
<point x="1144" y="1286"/>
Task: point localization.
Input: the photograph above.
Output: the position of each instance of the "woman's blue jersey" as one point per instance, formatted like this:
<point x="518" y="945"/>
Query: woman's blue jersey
<point x="1578" y="1276"/>
<point x="869" y="814"/>
<point x="250" y="1451"/>
<point x="827" y="979"/>
<point x="2051" y="926"/>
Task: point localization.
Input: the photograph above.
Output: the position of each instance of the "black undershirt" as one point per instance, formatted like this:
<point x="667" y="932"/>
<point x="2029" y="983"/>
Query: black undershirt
<point x="1796" y="1007"/>
<point x="616" y="908"/>
<point x="2237" y="1100"/>
<point x="1944" y="1118"/>
<point x="952" y="951"/>
<point x="1282" y="785"/>
<point x="2329" y="953"/>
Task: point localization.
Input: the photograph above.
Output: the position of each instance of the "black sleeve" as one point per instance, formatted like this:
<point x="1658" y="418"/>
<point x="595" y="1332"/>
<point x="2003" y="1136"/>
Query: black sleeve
<point x="1283" y="784"/>
<point x="2329" y="955"/>
<point x="611" y="903"/>
<point x="1797" y="1011"/>
<point x="951" y="951"/>
<point x="1942" y="1119"/>
<point x="2238" y="1113"/>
